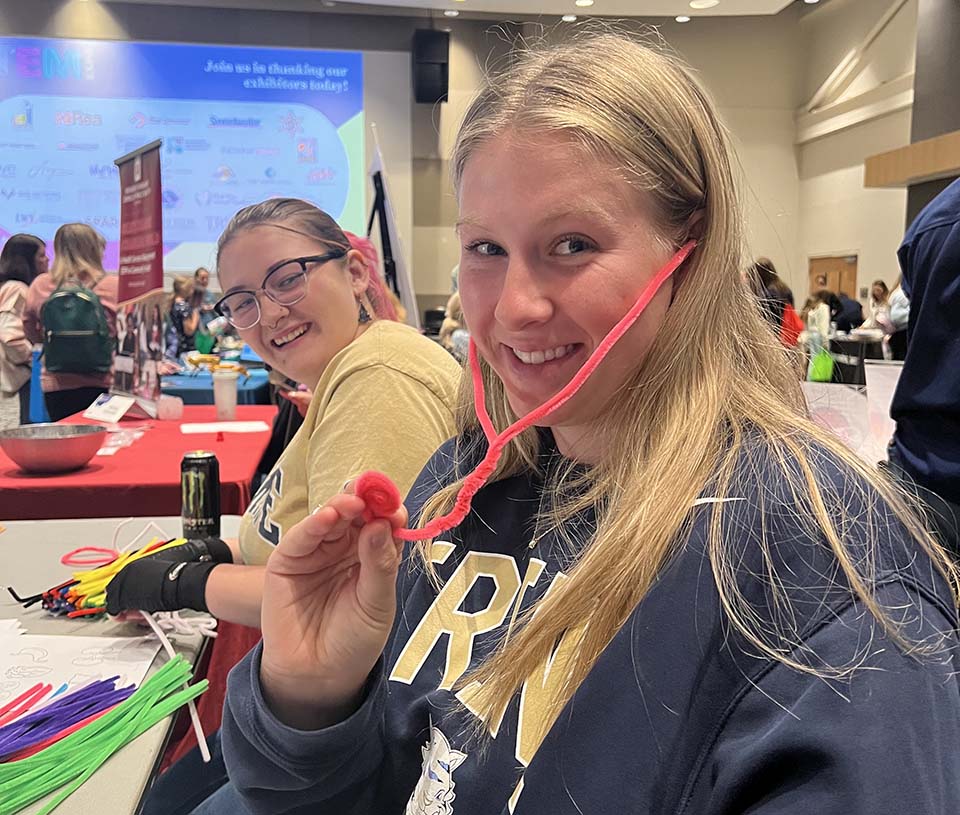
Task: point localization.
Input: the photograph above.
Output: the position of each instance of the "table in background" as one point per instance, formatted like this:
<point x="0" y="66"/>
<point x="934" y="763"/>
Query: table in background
<point x="30" y="559"/>
<point x="848" y="355"/>
<point x="140" y="480"/>
<point x="197" y="388"/>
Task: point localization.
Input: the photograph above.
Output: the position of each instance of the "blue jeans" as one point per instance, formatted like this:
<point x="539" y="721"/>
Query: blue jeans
<point x="189" y="783"/>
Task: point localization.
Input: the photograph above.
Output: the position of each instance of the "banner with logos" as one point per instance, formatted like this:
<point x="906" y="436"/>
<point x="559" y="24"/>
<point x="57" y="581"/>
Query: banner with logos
<point x="239" y="124"/>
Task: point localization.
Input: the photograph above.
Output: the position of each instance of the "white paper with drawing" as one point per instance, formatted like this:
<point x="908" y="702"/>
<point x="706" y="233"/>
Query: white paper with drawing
<point x="76" y="661"/>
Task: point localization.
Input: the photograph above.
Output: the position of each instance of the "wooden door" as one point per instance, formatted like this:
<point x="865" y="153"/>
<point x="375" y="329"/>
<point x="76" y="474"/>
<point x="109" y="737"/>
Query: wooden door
<point x="840" y="271"/>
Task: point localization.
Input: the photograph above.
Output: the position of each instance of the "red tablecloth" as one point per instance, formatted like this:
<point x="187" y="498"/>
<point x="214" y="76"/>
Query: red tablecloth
<point x="140" y="480"/>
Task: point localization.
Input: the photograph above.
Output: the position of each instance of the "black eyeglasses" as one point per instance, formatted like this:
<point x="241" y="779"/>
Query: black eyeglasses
<point x="285" y="283"/>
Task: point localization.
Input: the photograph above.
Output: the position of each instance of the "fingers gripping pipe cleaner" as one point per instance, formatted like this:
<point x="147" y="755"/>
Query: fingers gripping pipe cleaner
<point x="382" y="496"/>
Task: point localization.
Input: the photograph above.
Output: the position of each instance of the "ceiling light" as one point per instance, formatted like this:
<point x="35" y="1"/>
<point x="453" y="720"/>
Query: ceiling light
<point x="702" y="4"/>
<point x="811" y="2"/>
<point x="569" y="18"/>
<point x="682" y="19"/>
<point x="583" y="3"/>
<point x="451" y="12"/>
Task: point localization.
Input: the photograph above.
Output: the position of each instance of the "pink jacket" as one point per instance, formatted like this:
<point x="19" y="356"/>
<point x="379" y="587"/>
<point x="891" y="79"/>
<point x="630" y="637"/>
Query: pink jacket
<point x="15" y="348"/>
<point x="40" y="291"/>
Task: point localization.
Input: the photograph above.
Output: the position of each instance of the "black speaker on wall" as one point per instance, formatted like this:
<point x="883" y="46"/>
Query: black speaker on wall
<point x="431" y="51"/>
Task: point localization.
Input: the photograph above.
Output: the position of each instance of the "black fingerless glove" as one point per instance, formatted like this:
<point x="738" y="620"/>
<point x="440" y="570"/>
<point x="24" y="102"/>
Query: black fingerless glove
<point x="170" y="580"/>
<point x="196" y="550"/>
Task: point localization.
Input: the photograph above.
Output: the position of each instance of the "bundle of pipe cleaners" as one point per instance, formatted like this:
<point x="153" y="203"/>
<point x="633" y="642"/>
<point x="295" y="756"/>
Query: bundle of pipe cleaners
<point x="57" y="748"/>
<point x="23" y="732"/>
<point x="85" y="594"/>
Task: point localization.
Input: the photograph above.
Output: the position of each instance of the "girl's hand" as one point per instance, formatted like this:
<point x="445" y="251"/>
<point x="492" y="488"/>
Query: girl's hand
<point x="329" y="600"/>
<point x="300" y="399"/>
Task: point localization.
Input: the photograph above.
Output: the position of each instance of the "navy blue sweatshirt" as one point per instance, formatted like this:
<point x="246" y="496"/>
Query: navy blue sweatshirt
<point x="677" y="716"/>
<point x="926" y="405"/>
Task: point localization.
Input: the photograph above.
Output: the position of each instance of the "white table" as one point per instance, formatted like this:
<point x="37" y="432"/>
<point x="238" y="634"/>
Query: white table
<point x="30" y="554"/>
<point x="843" y="411"/>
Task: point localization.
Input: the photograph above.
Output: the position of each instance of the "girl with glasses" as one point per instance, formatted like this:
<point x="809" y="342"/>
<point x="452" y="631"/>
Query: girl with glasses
<point x="314" y="309"/>
<point x="672" y="592"/>
<point x="310" y="305"/>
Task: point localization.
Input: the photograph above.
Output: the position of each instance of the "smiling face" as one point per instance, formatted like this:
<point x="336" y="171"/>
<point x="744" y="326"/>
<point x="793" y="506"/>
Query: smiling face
<point x="301" y="339"/>
<point x="556" y="248"/>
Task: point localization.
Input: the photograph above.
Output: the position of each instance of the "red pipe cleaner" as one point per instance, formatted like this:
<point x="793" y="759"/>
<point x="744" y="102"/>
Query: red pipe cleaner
<point x="381" y="494"/>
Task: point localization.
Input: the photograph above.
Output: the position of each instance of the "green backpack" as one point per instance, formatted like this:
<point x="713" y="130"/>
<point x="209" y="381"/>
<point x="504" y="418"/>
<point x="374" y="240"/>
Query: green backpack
<point x="76" y="337"/>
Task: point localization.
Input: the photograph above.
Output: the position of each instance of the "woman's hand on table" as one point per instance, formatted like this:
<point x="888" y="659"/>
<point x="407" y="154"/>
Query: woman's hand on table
<point x="329" y="604"/>
<point x="170" y="580"/>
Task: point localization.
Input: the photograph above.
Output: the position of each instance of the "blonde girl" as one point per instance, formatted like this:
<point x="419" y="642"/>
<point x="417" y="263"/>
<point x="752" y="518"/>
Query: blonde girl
<point x="675" y="594"/>
<point x="77" y="258"/>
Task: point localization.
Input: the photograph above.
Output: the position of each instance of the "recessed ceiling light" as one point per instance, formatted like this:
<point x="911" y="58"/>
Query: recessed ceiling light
<point x="682" y="19"/>
<point x="451" y="12"/>
<point x="811" y="2"/>
<point x="702" y="4"/>
<point x="569" y="18"/>
<point x="583" y="3"/>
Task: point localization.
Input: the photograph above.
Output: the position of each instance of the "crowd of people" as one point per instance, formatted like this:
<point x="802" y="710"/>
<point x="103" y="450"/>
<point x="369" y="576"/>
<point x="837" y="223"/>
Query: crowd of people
<point x="663" y="572"/>
<point x="827" y="312"/>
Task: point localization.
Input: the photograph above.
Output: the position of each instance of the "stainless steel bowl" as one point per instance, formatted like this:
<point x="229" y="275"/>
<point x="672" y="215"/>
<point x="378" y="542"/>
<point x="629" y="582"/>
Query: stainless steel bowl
<point x="52" y="448"/>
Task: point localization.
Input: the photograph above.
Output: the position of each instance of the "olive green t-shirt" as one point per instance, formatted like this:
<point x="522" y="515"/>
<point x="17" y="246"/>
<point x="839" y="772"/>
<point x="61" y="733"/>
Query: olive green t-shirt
<point x="385" y="402"/>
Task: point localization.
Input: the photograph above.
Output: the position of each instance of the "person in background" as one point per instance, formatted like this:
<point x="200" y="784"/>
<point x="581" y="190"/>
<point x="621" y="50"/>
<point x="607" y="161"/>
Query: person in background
<point x="776" y="301"/>
<point x="383" y="396"/>
<point x="850" y="314"/>
<point x="203" y="298"/>
<point x="826" y="295"/>
<point x="184" y="316"/>
<point x="879" y="307"/>
<point x="899" y="308"/>
<point x="816" y="313"/>
<point x="23" y="259"/>
<point x="675" y="580"/>
<point x="926" y="405"/>
<point x="453" y="333"/>
<point x="78" y="258"/>
<point x="773" y="293"/>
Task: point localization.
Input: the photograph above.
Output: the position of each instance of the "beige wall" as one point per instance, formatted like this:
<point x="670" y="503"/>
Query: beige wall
<point x="750" y="65"/>
<point x="474" y="46"/>
<point x="837" y="214"/>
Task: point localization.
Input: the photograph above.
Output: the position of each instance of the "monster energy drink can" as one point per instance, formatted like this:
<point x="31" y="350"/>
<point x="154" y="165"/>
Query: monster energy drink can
<point x="200" y="488"/>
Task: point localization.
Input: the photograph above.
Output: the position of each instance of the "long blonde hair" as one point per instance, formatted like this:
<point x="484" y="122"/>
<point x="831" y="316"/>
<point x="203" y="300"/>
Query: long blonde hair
<point x="78" y="253"/>
<point x="715" y="380"/>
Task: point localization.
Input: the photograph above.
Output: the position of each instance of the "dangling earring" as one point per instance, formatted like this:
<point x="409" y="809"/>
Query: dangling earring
<point x="363" y="315"/>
